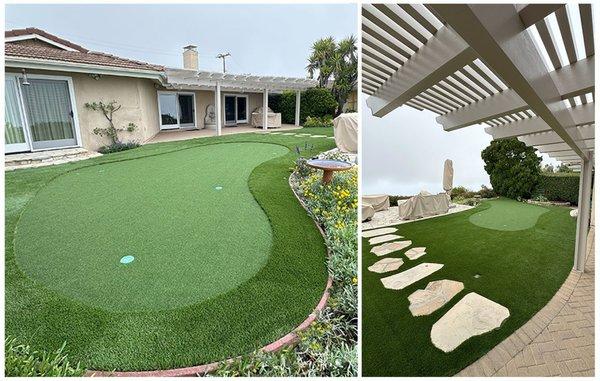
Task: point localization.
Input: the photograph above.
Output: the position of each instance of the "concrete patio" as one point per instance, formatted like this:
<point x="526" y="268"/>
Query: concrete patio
<point x="176" y="135"/>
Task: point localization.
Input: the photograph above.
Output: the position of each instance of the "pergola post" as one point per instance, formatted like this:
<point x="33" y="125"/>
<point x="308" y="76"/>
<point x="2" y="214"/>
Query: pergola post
<point x="583" y="213"/>
<point x="265" y="114"/>
<point x="297" y="119"/>
<point x="218" y="108"/>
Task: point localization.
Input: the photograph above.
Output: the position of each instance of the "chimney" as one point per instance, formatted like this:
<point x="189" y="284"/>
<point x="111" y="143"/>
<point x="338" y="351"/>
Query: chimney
<point x="190" y="57"/>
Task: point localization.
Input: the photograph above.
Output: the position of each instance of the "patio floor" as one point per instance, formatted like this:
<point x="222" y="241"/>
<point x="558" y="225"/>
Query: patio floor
<point x="557" y="341"/>
<point x="390" y="217"/>
<point x="176" y="135"/>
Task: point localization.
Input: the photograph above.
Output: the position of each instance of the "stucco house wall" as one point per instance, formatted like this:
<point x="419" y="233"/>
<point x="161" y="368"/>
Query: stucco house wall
<point x="137" y="96"/>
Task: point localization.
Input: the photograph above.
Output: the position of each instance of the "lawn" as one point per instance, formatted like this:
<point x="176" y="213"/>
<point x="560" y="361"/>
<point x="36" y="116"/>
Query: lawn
<point x="225" y="260"/>
<point x="521" y="253"/>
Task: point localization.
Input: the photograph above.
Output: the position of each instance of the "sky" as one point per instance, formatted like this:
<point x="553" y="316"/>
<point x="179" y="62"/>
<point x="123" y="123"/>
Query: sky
<point x="404" y="153"/>
<point x="267" y="39"/>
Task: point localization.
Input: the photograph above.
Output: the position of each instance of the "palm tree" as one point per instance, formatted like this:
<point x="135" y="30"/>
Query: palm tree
<point x="339" y="60"/>
<point x="320" y="60"/>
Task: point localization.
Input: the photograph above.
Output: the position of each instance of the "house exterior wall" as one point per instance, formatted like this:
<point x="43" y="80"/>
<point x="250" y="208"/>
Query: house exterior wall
<point x="136" y="95"/>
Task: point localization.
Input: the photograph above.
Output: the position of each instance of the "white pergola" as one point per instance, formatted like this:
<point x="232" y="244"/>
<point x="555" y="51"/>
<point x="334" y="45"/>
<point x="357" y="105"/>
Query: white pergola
<point x="525" y="71"/>
<point x="183" y="79"/>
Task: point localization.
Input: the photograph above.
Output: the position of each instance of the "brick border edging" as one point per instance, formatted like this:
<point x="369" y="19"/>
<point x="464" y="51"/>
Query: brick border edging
<point x="289" y="339"/>
<point x="488" y="364"/>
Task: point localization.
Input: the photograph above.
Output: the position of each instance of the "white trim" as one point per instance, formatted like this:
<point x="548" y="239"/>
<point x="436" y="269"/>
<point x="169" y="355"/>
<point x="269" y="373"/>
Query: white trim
<point x="39" y="64"/>
<point x="35" y="36"/>
<point x="178" y="125"/>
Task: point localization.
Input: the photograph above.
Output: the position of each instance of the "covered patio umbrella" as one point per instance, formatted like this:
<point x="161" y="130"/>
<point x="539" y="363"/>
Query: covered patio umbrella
<point x="448" y="176"/>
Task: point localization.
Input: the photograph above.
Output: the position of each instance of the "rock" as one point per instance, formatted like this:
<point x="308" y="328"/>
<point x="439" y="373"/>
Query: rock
<point x="574" y="212"/>
<point x="473" y="315"/>
<point x="376" y="232"/>
<point x="433" y="297"/>
<point x="384" y="238"/>
<point x="390" y="247"/>
<point x="415" y="252"/>
<point x="410" y="276"/>
<point x="386" y="265"/>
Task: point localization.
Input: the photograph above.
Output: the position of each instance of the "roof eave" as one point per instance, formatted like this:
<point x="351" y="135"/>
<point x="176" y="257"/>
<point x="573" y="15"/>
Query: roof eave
<point x="41" y="64"/>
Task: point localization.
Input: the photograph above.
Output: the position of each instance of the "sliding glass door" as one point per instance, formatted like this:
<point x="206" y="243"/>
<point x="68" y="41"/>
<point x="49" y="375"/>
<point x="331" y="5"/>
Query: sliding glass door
<point x="177" y="110"/>
<point x="15" y="136"/>
<point x="236" y="109"/>
<point x="39" y="113"/>
<point x="49" y="113"/>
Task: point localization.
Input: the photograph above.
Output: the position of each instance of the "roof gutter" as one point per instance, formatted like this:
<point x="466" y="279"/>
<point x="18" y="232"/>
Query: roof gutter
<point x="40" y="64"/>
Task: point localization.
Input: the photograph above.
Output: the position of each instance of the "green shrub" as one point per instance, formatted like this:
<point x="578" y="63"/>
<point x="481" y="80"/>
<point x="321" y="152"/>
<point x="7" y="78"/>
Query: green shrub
<point x="459" y="192"/>
<point x="394" y="199"/>
<point x="21" y="361"/>
<point x="486" y="192"/>
<point x="560" y="186"/>
<point x="314" y="102"/>
<point x="118" y="147"/>
<point x="315" y="121"/>
<point x="513" y="167"/>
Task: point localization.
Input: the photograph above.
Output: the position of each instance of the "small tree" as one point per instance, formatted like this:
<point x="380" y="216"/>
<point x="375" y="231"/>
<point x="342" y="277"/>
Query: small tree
<point x="563" y="168"/>
<point x="513" y="167"/>
<point x="108" y="110"/>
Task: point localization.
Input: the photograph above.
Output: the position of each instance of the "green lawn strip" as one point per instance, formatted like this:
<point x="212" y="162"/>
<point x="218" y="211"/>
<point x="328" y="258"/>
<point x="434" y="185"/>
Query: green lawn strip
<point x="508" y="215"/>
<point x="520" y="270"/>
<point x="257" y="312"/>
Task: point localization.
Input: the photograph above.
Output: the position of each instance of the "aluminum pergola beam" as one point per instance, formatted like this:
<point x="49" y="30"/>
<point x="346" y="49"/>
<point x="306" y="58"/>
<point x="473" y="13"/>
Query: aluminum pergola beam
<point x="550" y="137"/>
<point x="561" y="147"/>
<point x="496" y="33"/>
<point x="532" y="13"/>
<point x="440" y="57"/>
<point x="580" y="115"/>
<point x="573" y="80"/>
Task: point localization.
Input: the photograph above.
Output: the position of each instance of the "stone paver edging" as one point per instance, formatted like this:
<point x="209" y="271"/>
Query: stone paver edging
<point x="557" y="341"/>
<point x="287" y="340"/>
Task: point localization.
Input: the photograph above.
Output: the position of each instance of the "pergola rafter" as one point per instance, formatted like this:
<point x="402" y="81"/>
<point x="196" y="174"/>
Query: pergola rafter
<point x="524" y="71"/>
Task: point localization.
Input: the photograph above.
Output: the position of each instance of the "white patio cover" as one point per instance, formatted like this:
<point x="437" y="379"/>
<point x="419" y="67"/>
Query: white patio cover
<point x="345" y="131"/>
<point x="448" y="175"/>
<point x="423" y="205"/>
<point x="377" y="201"/>
<point x="273" y="119"/>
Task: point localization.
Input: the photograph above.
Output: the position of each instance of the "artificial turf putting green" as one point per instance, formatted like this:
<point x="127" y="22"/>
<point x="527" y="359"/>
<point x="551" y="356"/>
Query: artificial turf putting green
<point x="188" y="219"/>
<point x="268" y="305"/>
<point x="508" y="215"/>
<point x="520" y="270"/>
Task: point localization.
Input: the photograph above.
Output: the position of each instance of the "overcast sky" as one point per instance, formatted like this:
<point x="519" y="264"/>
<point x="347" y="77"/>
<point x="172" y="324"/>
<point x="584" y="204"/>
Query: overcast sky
<point x="262" y="39"/>
<point x="404" y="153"/>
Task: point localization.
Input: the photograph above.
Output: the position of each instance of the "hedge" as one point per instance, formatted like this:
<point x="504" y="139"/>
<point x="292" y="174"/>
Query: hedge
<point x="559" y="187"/>
<point x="315" y="102"/>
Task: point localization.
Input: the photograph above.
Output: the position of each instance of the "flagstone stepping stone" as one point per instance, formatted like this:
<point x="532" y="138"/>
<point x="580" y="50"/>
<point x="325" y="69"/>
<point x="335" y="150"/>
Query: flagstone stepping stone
<point x="390" y="247"/>
<point x="386" y="265"/>
<point x="415" y="252"/>
<point x="410" y="276"/>
<point x="384" y="238"/>
<point x="376" y="232"/>
<point x="433" y="297"/>
<point x="473" y="315"/>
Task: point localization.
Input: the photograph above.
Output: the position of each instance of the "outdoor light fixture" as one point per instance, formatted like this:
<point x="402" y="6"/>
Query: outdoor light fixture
<point x="25" y="82"/>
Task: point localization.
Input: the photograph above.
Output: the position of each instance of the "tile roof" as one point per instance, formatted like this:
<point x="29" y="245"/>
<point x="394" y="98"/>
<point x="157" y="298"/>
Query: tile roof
<point x="43" y="33"/>
<point x="82" y="55"/>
